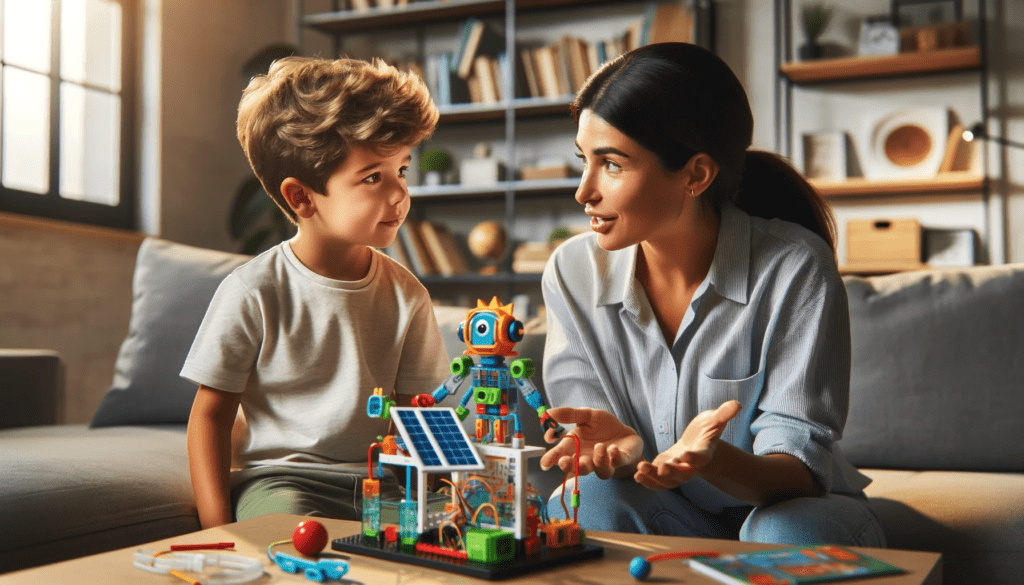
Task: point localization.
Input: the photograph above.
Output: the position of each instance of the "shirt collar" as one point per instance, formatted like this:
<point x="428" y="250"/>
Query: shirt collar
<point x="728" y="275"/>
<point x="730" y="269"/>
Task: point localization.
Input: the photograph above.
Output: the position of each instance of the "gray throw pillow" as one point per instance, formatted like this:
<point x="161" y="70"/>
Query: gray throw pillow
<point x="172" y="288"/>
<point x="938" y="359"/>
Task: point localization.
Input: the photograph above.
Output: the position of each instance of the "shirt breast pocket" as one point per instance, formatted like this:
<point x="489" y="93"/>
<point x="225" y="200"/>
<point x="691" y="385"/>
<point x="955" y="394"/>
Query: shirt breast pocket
<point x="713" y="392"/>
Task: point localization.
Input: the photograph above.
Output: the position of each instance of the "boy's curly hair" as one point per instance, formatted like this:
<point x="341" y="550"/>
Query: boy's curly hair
<point x="303" y="117"/>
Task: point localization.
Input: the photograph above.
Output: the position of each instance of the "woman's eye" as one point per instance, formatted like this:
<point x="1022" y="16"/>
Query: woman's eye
<point x="612" y="165"/>
<point x="583" y="159"/>
<point x="374" y="178"/>
<point x="401" y="172"/>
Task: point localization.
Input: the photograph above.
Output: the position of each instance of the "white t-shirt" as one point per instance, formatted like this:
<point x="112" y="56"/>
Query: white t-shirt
<point x="307" y="351"/>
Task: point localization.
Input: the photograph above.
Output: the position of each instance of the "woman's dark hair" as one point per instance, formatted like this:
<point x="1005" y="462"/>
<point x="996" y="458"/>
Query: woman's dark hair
<point x="678" y="99"/>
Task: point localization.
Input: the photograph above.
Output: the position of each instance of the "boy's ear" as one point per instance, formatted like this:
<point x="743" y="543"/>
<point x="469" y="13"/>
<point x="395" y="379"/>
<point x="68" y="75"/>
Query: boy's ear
<point x="298" y="196"/>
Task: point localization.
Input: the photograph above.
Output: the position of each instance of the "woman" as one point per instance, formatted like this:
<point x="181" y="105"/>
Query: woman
<point x="699" y="337"/>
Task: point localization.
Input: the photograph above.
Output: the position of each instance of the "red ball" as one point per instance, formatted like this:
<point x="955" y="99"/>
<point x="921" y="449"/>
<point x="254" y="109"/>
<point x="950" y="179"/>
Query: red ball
<point x="310" y="537"/>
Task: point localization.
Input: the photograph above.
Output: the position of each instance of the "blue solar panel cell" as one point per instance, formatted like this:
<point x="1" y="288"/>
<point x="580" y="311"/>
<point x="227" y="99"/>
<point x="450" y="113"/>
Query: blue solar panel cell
<point x="436" y="437"/>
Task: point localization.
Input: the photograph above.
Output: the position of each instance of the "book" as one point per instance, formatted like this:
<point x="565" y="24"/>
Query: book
<point x="454" y="252"/>
<point x="533" y="86"/>
<point x="419" y="258"/>
<point x="793" y="566"/>
<point x="430" y="233"/>
<point x="483" y="71"/>
<point x="668" y="21"/>
<point x="546" y="61"/>
<point x="577" y="65"/>
<point x="477" y="38"/>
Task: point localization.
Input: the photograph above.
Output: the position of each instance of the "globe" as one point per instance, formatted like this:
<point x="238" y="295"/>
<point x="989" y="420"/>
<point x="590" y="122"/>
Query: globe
<point x="487" y="240"/>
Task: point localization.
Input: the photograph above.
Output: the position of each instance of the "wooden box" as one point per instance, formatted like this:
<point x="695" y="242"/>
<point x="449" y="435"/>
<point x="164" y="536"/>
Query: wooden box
<point x="883" y="240"/>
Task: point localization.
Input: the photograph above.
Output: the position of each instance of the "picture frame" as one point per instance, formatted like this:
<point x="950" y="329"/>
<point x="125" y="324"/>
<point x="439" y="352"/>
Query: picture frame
<point x="825" y="155"/>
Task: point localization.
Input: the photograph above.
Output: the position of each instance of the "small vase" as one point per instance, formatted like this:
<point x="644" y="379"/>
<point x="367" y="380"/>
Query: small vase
<point x="809" y="51"/>
<point x="432" y="178"/>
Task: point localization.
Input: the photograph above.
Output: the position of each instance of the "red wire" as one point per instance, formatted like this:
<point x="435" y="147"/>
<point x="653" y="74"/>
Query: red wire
<point x="576" y="469"/>
<point x="576" y="477"/>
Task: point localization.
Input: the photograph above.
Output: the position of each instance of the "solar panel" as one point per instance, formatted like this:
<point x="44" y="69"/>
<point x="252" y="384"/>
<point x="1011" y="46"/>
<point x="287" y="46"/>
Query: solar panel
<point x="436" y="437"/>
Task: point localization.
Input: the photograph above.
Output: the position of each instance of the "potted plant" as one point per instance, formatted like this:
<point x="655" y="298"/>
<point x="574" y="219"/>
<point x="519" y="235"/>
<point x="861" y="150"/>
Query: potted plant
<point x="433" y="163"/>
<point x="815" y="17"/>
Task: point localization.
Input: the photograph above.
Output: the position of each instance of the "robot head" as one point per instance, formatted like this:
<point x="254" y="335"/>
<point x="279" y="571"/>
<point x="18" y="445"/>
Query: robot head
<point x="491" y="329"/>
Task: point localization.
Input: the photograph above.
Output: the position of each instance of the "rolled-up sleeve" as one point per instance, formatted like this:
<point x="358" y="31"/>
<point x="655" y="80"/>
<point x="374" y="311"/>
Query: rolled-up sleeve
<point x="803" y="407"/>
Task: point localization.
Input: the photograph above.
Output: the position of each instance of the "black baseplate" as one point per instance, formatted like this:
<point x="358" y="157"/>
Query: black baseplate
<point x="520" y="564"/>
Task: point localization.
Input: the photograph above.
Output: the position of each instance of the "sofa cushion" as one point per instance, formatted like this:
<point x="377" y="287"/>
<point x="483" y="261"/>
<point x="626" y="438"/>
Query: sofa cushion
<point x="172" y="288"/>
<point x="938" y="360"/>
<point x="72" y="491"/>
<point x="976" y="520"/>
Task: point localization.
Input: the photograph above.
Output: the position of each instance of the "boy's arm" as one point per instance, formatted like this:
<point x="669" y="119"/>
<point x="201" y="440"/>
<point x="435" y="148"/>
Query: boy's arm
<point x="209" y="453"/>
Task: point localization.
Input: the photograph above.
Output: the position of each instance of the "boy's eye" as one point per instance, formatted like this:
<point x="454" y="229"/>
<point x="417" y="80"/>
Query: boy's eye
<point x="401" y="172"/>
<point x="374" y="178"/>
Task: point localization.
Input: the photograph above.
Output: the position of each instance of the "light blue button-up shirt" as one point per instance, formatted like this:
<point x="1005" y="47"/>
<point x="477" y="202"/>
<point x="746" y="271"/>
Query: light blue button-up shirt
<point x="769" y="327"/>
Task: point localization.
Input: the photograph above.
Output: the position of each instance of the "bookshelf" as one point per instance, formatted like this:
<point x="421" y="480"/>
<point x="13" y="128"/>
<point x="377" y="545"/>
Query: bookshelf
<point x="519" y="126"/>
<point x="846" y="90"/>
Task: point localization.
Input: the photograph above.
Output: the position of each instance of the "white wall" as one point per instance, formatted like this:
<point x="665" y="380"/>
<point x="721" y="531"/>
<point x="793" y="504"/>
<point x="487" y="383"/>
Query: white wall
<point x="204" y="46"/>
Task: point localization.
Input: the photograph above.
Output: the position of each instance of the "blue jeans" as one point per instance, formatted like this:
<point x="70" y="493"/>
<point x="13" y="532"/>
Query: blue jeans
<point x="622" y="505"/>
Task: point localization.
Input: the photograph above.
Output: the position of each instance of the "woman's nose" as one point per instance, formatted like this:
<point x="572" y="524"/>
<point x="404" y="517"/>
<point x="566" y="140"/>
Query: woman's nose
<point x="585" y="192"/>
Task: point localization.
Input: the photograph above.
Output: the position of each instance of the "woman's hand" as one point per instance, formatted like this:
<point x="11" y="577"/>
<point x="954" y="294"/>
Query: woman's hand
<point x="607" y="447"/>
<point x="691" y="454"/>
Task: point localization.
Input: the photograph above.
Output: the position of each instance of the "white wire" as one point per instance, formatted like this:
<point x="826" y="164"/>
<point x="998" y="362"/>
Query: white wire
<point x="237" y="569"/>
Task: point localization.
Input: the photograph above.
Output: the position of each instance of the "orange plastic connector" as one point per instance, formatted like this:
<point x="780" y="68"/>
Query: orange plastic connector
<point x="388" y="445"/>
<point x="561" y="533"/>
<point x="371" y="488"/>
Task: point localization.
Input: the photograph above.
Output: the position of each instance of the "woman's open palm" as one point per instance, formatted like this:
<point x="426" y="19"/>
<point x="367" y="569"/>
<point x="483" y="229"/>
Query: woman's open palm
<point x="606" y="445"/>
<point x="691" y="453"/>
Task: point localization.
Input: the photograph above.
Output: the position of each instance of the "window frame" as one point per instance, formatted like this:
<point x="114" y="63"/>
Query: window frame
<point x="51" y="205"/>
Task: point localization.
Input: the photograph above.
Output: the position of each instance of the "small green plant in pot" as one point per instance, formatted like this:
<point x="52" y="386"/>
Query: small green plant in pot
<point x="434" y="162"/>
<point x="815" y="17"/>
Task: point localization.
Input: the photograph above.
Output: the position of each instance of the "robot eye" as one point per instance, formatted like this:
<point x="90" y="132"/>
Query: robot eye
<point x="482" y="327"/>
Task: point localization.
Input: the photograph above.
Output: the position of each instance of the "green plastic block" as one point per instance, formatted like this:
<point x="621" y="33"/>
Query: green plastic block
<point x="490" y="545"/>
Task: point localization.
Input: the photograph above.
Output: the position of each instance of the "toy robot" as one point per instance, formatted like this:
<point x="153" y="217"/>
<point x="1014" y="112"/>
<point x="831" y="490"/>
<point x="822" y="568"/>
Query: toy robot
<point x="491" y="332"/>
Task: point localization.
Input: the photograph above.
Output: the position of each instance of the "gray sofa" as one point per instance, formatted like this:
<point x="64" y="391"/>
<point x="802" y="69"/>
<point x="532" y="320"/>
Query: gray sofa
<point x="936" y="419"/>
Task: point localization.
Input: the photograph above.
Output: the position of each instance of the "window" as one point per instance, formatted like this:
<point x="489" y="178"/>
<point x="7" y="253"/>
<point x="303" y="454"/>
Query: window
<point x="67" y="136"/>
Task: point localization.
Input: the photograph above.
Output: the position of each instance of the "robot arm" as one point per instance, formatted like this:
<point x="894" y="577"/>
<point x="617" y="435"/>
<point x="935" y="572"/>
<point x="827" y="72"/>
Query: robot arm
<point x="460" y="368"/>
<point x="522" y="370"/>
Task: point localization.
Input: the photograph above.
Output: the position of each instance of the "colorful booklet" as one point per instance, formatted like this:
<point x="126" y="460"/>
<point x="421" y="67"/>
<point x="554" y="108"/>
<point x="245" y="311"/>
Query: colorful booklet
<point x="792" y="566"/>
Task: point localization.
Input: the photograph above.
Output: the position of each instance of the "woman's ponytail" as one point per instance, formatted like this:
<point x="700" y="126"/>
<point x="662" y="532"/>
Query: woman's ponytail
<point x="771" y="188"/>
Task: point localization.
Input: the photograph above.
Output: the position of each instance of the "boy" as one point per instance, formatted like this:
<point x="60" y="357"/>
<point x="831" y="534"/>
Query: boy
<point x="301" y="335"/>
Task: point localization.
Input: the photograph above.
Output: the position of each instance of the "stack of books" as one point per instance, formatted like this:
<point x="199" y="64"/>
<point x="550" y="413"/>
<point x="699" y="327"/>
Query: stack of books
<point x="427" y="249"/>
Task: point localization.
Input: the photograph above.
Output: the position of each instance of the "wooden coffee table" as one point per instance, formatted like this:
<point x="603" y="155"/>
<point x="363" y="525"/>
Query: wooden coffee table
<point x="251" y="538"/>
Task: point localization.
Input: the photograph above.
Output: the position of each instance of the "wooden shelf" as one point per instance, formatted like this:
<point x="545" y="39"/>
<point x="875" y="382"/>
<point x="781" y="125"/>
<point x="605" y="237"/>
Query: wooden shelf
<point x="538" y="187"/>
<point x="350" y="21"/>
<point x="524" y="107"/>
<point x="848" y="68"/>
<point x="942" y="183"/>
